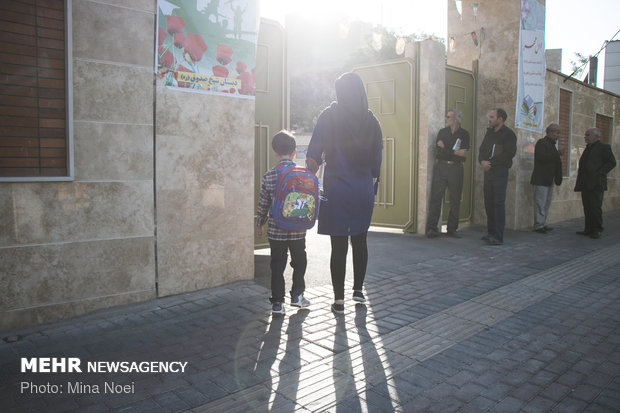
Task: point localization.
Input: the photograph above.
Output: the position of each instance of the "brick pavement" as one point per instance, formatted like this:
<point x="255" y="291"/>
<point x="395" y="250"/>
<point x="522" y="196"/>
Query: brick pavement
<point x="451" y="325"/>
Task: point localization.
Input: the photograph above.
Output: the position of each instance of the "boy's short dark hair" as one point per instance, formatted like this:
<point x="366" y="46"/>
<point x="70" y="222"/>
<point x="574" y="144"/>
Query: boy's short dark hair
<point x="283" y="143"/>
<point x="501" y="113"/>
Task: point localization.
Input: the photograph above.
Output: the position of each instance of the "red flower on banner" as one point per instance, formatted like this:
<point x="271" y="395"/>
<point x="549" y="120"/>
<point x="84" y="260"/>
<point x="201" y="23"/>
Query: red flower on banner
<point x="182" y="69"/>
<point x="247" y="83"/>
<point x="241" y="67"/>
<point x="220" y="71"/>
<point x="179" y="40"/>
<point x="224" y="53"/>
<point x="195" y="46"/>
<point x="161" y="35"/>
<point x="174" y="24"/>
<point x="167" y="58"/>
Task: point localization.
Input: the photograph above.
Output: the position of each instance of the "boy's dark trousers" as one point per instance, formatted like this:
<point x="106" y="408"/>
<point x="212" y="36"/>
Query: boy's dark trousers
<point x="278" y="265"/>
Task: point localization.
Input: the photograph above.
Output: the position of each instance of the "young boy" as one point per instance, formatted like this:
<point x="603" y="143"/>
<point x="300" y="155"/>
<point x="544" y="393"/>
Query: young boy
<point x="281" y="240"/>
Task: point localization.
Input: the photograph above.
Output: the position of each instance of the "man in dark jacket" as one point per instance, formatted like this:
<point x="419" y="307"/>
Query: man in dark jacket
<point x="547" y="170"/>
<point x="495" y="156"/>
<point x="595" y="163"/>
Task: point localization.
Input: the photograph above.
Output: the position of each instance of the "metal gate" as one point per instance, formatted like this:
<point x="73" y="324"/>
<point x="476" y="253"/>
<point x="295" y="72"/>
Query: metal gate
<point x="460" y="94"/>
<point x="392" y="96"/>
<point x="272" y="100"/>
<point x="391" y="89"/>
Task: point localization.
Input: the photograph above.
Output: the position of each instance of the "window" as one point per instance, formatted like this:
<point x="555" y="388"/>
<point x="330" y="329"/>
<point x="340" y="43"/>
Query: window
<point x="566" y="98"/>
<point x="34" y="107"/>
<point x="604" y="123"/>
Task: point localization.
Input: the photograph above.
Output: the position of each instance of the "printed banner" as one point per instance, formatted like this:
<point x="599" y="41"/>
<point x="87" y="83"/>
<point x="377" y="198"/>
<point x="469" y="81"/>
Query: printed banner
<point x="207" y="45"/>
<point x="532" y="67"/>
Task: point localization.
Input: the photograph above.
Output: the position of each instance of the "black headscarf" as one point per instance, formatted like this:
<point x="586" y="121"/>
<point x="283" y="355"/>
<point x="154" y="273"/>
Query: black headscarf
<point x="359" y="140"/>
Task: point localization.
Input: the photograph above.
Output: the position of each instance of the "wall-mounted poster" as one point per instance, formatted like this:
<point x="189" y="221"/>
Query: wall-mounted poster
<point x="532" y="67"/>
<point x="207" y="45"/>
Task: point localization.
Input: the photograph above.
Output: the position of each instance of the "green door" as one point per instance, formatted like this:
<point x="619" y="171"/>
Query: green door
<point x="391" y="90"/>
<point x="460" y="94"/>
<point x="272" y="103"/>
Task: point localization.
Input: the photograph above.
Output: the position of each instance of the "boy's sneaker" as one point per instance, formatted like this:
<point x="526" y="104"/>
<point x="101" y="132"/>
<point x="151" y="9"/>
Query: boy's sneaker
<point x="359" y="297"/>
<point x="277" y="308"/>
<point x="338" y="308"/>
<point x="300" y="301"/>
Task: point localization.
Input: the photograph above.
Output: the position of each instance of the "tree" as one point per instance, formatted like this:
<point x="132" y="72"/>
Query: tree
<point x="578" y="64"/>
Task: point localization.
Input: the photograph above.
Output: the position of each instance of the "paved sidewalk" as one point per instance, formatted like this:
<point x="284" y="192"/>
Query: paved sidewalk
<point x="451" y="325"/>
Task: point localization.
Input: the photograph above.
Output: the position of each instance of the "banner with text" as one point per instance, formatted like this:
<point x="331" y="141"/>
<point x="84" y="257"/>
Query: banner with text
<point x="532" y="67"/>
<point x="207" y="45"/>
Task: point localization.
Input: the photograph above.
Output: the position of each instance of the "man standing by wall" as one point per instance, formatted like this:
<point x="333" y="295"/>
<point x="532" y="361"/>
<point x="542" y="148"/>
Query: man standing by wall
<point x="495" y="156"/>
<point x="547" y="170"/>
<point x="595" y="163"/>
<point x="450" y="152"/>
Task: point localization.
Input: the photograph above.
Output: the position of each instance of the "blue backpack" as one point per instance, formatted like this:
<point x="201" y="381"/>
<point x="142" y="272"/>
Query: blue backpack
<point x="295" y="204"/>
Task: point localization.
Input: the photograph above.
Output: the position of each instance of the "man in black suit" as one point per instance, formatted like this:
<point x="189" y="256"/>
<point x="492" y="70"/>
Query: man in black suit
<point x="547" y="171"/>
<point x="595" y="163"/>
<point x="495" y="155"/>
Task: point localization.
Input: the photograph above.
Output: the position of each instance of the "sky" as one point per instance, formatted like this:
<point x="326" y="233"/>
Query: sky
<point x="571" y="25"/>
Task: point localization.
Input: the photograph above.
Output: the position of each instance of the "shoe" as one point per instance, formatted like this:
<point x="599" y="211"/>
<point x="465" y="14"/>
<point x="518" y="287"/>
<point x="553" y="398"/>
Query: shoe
<point x="338" y="308"/>
<point x="453" y="234"/>
<point x="541" y="230"/>
<point x="277" y="308"/>
<point x="485" y="237"/>
<point x="595" y="235"/>
<point x="432" y="233"/>
<point x="494" y="241"/>
<point x="548" y="228"/>
<point x="583" y="233"/>
<point x="300" y="301"/>
<point x="359" y="297"/>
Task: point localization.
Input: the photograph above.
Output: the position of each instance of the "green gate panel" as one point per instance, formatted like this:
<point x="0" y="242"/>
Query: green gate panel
<point x="460" y="94"/>
<point x="272" y="104"/>
<point x="390" y="88"/>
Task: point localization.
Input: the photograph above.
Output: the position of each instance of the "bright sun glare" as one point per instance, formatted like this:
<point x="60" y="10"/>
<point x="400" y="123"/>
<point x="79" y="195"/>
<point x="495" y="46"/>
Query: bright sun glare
<point x="403" y="17"/>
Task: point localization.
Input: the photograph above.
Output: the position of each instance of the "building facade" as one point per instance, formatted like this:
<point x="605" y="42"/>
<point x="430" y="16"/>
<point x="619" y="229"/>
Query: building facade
<point x="156" y="194"/>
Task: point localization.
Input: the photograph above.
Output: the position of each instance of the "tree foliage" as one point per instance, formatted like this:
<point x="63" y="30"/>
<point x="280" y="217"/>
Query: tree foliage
<point x="578" y="64"/>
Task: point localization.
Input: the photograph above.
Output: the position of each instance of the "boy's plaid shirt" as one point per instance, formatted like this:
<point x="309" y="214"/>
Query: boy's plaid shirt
<point x="267" y="192"/>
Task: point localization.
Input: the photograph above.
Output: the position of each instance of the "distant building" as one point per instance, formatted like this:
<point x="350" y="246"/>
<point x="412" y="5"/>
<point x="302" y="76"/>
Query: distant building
<point x="612" y="67"/>
<point x="553" y="58"/>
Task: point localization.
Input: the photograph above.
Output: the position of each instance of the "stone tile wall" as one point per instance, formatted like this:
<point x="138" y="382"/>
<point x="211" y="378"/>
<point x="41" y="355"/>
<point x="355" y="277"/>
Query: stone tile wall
<point x="162" y="200"/>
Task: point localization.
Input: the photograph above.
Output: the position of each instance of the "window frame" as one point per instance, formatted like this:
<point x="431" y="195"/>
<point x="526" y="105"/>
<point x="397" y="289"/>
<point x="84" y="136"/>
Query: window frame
<point x="69" y="110"/>
<point x="611" y="126"/>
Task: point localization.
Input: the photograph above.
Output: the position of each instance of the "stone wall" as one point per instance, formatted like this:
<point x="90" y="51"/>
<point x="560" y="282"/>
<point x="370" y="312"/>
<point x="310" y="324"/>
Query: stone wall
<point x="162" y="200"/>
<point x="204" y="190"/>
<point x="430" y="117"/>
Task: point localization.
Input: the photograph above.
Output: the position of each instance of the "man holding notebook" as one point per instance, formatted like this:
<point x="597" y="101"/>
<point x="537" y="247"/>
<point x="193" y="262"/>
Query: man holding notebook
<point x="495" y="156"/>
